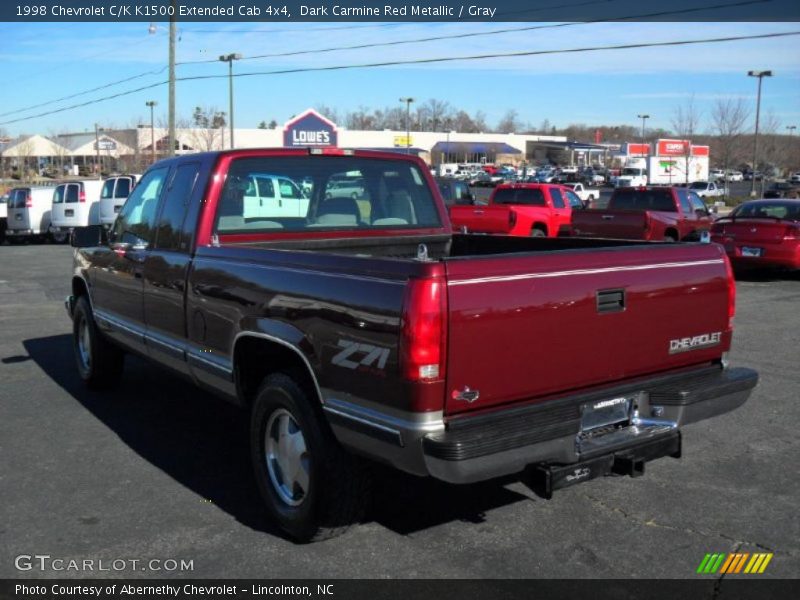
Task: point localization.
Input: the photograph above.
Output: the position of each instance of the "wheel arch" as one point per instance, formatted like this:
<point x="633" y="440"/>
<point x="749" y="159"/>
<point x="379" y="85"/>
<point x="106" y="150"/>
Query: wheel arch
<point x="257" y="355"/>
<point x="673" y="233"/>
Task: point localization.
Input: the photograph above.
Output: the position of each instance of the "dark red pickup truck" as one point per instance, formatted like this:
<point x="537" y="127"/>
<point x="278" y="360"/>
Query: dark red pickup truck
<point x="648" y="213"/>
<point x="354" y="328"/>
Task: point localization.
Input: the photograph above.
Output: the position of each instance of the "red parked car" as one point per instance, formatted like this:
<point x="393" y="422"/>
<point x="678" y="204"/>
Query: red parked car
<point x="761" y="233"/>
<point x="524" y="209"/>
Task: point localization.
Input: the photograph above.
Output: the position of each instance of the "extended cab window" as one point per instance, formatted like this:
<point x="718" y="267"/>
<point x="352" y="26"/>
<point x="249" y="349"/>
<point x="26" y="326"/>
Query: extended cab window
<point x="169" y="231"/>
<point x="315" y="192"/>
<point x="697" y="203"/>
<point x="134" y="225"/>
<point x="683" y="198"/>
<point x="558" y="200"/>
<point x="575" y="203"/>
<point x="528" y="196"/>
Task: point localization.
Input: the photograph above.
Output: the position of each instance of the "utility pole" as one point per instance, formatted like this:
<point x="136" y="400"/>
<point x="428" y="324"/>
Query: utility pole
<point x="97" y="150"/>
<point x="760" y="75"/>
<point x="171" y="111"/>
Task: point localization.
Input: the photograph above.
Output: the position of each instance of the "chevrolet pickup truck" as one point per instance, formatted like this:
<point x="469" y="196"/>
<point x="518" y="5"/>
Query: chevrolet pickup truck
<point x="667" y="214"/>
<point x="524" y="209"/>
<point x="357" y="331"/>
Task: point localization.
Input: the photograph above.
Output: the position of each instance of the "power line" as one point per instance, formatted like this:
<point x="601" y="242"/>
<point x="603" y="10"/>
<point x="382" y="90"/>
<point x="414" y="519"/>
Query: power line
<point x="487" y="33"/>
<point x="397" y="43"/>
<point x="424" y="61"/>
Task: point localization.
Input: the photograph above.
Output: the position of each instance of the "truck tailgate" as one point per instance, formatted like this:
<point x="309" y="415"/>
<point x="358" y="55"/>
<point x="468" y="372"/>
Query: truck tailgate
<point x="493" y="218"/>
<point x="524" y="326"/>
<point x="621" y="224"/>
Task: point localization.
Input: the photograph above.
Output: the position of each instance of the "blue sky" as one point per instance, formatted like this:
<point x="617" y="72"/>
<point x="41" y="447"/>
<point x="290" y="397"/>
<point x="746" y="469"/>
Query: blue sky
<point x="45" y="61"/>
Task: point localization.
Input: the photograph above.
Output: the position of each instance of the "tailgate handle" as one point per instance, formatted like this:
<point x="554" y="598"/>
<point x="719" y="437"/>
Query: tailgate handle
<point x="610" y="301"/>
<point x="607" y="217"/>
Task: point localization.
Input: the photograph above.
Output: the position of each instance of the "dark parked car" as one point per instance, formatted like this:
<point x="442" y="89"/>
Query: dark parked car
<point x="783" y="189"/>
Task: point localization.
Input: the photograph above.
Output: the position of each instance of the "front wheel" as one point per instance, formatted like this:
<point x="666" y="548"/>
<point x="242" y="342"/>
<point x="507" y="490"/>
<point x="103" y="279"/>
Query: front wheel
<point x="311" y="486"/>
<point x="59" y="238"/>
<point x="99" y="361"/>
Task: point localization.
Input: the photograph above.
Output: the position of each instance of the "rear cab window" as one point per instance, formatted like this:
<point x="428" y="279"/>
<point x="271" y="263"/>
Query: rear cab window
<point x="321" y="193"/>
<point x="527" y="196"/>
<point x="646" y="199"/>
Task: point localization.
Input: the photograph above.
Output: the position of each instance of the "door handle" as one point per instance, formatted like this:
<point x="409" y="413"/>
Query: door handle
<point x="607" y="217"/>
<point x="478" y="212"/>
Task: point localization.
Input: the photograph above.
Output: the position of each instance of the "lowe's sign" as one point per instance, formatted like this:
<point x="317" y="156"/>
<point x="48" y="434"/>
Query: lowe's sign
<point x="310" y="129"/>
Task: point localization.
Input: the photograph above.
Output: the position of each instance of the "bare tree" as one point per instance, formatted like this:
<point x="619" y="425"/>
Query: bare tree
<point x="208" y="122"/>
<point x="437" y="112"/>
<point x="328" y="112"/>
<point x="61" y="152"/>
<point x="23" y="151"/>
<point x="510" y="122"/>
<point x="685" y="123"/>
<point x="728" y="118"/>
<point x="771" y="147"/>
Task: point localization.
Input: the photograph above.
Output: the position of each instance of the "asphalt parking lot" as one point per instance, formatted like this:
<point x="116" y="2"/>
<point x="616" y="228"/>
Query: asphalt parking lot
<point x="160" y="470"/>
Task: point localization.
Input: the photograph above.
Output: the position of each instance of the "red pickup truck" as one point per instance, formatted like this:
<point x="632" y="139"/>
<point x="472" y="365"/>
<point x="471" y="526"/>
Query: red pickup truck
<point x="355" y="329"/>
<point x="525" y="209"/>
<point x="648" y="213"/>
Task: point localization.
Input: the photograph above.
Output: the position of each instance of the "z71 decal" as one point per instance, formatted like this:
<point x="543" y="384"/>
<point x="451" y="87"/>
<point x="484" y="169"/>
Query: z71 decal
<point x="355" y="355"/>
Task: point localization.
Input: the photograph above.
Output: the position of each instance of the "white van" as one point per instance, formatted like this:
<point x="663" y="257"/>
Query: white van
<point x="113" y="195"/>
<point x="269" y="196"/>
<point x="28" y="213"/>
<point x="75" y="204"/>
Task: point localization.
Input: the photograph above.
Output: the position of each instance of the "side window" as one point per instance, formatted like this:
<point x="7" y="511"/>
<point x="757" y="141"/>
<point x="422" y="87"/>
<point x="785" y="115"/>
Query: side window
<point x="575" y="202"/>
<point x="134" y="225"/>
<point x="169" y="229"/>
<point x="108" y="189"/>
<point x="697" y="203"/>
<point x="683" y="198"/>
<point x="558" y="199"/>
<point x="58" y="194"/>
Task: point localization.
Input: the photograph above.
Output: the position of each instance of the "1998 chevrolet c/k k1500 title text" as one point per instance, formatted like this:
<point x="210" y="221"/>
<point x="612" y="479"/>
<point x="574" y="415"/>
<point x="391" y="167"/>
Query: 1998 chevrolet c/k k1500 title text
<point x="365" y="328"/>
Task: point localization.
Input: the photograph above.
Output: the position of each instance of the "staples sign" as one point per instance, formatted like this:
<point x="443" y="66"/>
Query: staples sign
<point x="310" y="129"/>
<point x="672" y="147"/>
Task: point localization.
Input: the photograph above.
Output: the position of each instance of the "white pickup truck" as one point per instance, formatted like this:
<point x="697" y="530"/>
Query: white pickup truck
<point x="587" y="195"/>
<point x="708" y="189"/>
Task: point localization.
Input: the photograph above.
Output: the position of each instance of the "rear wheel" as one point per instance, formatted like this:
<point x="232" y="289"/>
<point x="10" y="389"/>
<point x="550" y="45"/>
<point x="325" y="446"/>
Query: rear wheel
<point x="59" y="238"/>
<point x="538" y="232"/>
<point x="670" y="238"/>
<point x="311" y="486"/>
<point x="99" y="361"/>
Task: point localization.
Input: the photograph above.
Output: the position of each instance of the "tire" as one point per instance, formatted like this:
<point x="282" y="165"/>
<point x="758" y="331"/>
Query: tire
<point x="538" y="232"/>
<point x="329" y="489"/>
<point x="99" y="361"/>
<point x="59" y="238"/>
<point x="670" y="239"/>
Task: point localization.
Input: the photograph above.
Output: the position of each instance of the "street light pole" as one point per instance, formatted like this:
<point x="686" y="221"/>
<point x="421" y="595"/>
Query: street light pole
<point x="408" y="102"/>
<point x="791" y="129"/>
<point x="151" y="104"/>
<point x="643" y="118"/>
<point x="171" y="110"/>
<point x="229" y="58"/>
<point x="760" y="75"/>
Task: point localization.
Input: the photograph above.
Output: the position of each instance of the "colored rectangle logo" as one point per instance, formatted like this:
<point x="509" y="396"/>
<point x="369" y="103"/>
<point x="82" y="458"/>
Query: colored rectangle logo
<point x="734" y="563"/>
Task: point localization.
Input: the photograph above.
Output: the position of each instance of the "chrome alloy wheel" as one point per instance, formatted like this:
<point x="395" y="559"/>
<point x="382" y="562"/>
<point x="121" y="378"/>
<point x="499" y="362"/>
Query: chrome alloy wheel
<point x="84" y="344"/>
<point x="288" y="460"/>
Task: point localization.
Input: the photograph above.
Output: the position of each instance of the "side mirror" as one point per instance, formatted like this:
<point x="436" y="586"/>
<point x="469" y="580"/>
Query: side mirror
<point x="90" y="236"/>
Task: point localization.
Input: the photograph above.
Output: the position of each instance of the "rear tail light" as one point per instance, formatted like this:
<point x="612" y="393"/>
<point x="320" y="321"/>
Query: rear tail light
<point x="792" y="232"/>
<point x="28" y="201"/>
<point x="422" y="344"/>
<point x="731" y="291"/>
<point x="82" y="196"/>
